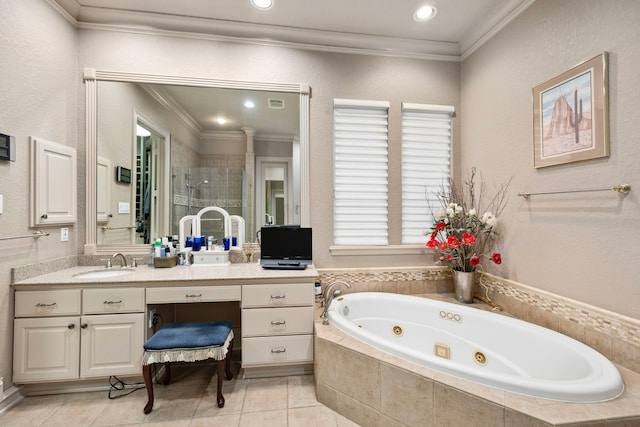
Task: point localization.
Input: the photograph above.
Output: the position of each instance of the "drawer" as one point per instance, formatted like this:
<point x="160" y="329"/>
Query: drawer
<point x="120" y="300"/>
<point x="64" y="302"/>
<point x="293" y="294"/>
<point x="277" y="321"/>
<point x="277" y="350"/>
<point x="193" y="294"/>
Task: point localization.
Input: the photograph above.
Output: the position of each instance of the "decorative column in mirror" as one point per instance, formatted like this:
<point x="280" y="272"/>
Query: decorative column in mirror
<point x="159" y="91"/>
<point x="250" y="170"/>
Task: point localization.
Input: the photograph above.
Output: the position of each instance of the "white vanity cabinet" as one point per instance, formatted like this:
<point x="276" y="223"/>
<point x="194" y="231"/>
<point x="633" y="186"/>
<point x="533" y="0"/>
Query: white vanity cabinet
<point x="77" y="333"/>
<point x="277" y="326"/>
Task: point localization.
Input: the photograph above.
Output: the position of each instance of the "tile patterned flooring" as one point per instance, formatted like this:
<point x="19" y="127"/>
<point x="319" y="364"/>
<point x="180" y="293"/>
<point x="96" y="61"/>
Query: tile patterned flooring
<point x="189" y="401"/>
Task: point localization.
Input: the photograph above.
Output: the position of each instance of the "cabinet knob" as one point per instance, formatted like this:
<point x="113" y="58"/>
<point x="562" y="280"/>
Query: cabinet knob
<point x="84" y="325"/>
<point x="71" y="326"/>
<point x="44" y="216"/>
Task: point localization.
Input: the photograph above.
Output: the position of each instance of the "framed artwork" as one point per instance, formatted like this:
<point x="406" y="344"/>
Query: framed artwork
<point x="571" y="115"/>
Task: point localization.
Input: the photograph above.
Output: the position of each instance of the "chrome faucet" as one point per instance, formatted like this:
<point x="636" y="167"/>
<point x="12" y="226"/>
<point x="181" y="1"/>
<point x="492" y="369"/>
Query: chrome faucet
<point x="329" y="295"/>
<point x="123" y="260"/>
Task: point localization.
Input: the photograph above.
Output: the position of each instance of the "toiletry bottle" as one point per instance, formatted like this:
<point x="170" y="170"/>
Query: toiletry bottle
<point x="151" y="255"/>
<point x="158" y="248"/>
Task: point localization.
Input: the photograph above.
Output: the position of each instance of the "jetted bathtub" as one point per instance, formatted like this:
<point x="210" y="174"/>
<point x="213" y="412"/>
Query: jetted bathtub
<point x="480" y="346"/>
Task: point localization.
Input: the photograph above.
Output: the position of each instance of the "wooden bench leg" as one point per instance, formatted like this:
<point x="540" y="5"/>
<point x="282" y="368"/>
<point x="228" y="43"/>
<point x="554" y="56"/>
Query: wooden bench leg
<point x="167" y="373"/>
<point x="228" y="361"/>
<point x="224" y="369"/>
<point x="219" y="396"/>
<point x="148" y="383"/>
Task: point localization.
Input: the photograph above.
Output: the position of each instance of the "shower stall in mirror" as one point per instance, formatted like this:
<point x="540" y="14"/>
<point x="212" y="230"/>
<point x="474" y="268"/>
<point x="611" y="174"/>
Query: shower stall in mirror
<point x="195" y="188"/>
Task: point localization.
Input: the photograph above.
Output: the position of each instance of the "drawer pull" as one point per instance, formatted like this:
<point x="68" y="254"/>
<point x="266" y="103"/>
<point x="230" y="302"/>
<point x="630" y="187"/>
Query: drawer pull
<point x="278" y="296"/>
<point x="113" y="302"/>
<point x="53" y="304"/>
<point x="71" y="325"/>
<point x="278" y="350"/>
<point x="193" y="295"/>
<point x="278" y="322"/>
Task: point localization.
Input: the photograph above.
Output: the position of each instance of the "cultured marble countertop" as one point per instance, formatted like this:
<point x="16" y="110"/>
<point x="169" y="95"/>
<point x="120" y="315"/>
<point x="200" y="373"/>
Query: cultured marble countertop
<point x="194" y="275"/>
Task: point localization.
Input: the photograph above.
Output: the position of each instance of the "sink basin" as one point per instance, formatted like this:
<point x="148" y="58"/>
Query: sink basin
<point x="107" y="272"/>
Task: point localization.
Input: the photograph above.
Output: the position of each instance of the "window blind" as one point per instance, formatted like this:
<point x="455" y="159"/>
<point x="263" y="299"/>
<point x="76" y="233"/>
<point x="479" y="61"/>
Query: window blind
<point x="426" y="163"/>
<point x="360" y="172"/>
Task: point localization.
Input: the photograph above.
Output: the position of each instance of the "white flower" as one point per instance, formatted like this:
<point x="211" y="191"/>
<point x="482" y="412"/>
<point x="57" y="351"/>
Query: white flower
<point x="438" y="214"/>
<point x="488" y="219"/>
<point x="472" y="212"/>
<point x="453" y="209"/>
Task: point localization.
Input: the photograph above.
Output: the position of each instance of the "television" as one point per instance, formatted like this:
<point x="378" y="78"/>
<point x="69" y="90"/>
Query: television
<point x="285" y="247"/>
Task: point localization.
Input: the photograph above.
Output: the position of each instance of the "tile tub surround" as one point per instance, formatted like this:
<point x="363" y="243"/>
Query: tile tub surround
<point x="408" y="281"/>
<point x="616" y="337"/>
<point x="374" y="388"/>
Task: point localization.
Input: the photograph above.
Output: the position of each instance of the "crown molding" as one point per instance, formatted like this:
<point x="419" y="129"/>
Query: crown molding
<point x="483" y="33"/>
<point x="191" y="27"/>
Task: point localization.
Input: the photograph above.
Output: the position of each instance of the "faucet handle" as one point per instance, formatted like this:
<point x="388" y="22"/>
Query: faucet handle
<point x="108" y="260"/>
<point x="134" y="262"/>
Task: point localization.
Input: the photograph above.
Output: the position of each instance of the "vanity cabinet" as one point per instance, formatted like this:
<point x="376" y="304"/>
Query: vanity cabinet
<point x="277" y="325"/>
<point x="77" y="333"/>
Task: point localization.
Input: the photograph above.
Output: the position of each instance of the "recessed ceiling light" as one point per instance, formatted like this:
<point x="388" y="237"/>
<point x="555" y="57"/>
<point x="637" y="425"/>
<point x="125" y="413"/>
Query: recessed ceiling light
<point x="221" y="120"/>
<point x="425" y="13"/>
<point x="262" y="4"/>
<point x="249" y="104"/>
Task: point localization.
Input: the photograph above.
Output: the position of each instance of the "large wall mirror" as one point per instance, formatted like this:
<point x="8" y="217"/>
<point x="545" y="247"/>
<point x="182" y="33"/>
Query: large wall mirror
<point x="162" y="147"/>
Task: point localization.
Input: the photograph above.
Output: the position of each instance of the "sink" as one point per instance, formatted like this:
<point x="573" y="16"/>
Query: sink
<point x="107" y="272"/>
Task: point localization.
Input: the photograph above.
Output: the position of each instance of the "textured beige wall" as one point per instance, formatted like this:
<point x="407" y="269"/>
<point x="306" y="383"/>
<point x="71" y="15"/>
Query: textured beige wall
<point x="330" y="76"/>
<point x="38" y="88"/>
<point x="582" y="246"/>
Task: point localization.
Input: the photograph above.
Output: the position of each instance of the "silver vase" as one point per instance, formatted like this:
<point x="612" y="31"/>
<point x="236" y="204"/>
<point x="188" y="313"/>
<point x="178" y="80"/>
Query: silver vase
<point x="463" y="282"/>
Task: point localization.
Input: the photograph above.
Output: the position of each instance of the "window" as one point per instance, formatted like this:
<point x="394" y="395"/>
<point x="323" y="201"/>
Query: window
<point x="360" y="172"/>
<point x="426" y="154"/>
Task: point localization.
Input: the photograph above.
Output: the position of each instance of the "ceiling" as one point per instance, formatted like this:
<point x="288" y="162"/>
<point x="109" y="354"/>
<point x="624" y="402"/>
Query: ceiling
<point x="376" y="27"/>
<point x="382" y="27"/>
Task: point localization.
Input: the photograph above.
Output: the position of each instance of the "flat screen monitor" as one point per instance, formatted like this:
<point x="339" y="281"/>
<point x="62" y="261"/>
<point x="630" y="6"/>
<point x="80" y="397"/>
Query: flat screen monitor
<point x="285" y="247"/>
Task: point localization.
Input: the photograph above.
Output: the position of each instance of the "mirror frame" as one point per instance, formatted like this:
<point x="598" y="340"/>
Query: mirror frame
<point x="91" y="78"/>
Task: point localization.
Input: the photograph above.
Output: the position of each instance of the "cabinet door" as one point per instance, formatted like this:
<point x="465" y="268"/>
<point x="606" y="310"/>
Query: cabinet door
<point x="53" y="178"/>
<point x="111" y="345"/>
<point x="46" y="349"/>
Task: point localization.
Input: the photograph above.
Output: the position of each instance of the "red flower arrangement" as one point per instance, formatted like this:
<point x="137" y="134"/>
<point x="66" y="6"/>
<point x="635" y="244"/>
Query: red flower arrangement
<point x="459" y="235"/>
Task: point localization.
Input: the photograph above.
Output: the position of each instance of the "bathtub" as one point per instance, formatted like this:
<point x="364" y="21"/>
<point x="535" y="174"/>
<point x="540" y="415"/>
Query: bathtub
<point x="479" y="346"/>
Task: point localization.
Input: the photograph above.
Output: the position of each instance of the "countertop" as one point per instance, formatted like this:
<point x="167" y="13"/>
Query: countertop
<point x="194" y="275"/>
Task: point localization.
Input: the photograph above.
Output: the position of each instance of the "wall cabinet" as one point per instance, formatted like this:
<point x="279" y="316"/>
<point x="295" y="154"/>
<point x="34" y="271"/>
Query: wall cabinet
<point x="53" y="183"/>
<point x="277" y="325"/>
<point x="54" y="339"/>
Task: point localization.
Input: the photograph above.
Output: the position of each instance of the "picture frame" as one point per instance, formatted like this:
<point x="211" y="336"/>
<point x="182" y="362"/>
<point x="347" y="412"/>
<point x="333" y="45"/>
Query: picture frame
<point x="571" y="115"/>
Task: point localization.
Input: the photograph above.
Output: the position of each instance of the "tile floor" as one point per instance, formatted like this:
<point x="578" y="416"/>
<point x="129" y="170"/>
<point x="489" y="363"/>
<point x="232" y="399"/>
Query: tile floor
<point x="189" y="401"/>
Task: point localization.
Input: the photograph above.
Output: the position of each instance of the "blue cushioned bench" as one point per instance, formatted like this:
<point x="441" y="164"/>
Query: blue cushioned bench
<point x="188" y="342"/>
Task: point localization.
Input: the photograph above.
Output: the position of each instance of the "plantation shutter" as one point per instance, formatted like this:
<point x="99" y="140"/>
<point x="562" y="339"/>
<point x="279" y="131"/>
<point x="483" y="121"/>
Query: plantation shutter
<point x="360" y="172"/>
<point x="426" y="165"/>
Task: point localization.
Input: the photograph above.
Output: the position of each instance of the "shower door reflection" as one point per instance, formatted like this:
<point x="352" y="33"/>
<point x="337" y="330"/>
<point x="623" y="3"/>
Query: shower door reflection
<point x="197" y="188"/>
